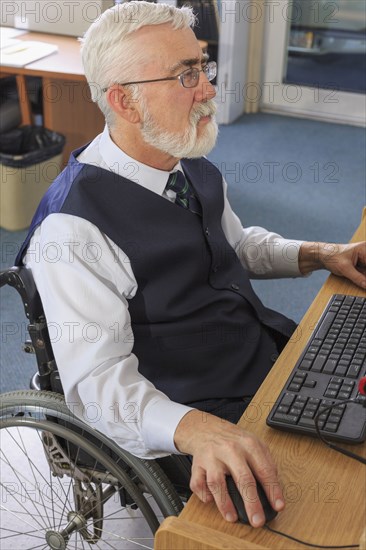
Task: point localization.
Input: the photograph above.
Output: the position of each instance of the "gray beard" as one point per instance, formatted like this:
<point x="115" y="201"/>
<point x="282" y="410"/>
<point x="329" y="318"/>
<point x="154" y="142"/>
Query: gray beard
<point x="188" y="144"/>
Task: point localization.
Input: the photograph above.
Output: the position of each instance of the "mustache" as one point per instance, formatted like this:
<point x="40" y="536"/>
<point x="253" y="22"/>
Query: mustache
<point x="209" y="108"/>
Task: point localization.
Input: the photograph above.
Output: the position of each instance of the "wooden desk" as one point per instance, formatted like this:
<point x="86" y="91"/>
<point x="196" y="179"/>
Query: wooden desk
<point x="325" y="491"/>
<point x="67" y="106"/>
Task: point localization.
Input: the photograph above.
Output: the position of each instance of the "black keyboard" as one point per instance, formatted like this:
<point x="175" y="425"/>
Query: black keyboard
<point x="328" y="373"/>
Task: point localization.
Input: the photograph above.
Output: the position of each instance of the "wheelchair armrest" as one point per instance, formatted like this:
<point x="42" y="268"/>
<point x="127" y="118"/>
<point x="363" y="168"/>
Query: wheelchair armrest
<point x="22" y="280"/>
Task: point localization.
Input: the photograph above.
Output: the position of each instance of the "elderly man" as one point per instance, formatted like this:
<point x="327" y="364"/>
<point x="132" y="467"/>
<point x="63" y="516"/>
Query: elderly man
<point x="142" y="264"/>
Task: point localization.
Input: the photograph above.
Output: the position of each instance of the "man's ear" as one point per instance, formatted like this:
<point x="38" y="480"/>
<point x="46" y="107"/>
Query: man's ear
<point x="121" y="102"/>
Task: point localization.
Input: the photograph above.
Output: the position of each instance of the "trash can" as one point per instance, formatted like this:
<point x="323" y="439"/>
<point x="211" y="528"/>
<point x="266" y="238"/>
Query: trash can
<point x="30" y="159"/>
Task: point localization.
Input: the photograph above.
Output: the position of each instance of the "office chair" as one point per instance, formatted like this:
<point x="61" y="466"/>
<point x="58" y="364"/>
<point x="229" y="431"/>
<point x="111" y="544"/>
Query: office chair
<point x="63" y="483"/>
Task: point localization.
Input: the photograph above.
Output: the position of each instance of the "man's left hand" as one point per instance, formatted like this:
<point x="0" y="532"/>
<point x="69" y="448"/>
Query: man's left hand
<point x="344" y="260"/>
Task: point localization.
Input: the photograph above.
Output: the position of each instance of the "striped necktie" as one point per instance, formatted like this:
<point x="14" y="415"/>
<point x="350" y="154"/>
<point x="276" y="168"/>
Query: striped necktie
<point x="184" y="193"/>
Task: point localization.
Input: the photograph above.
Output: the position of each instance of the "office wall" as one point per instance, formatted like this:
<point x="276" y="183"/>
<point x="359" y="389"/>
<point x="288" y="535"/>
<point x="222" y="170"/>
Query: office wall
<point x="69" y="17"/>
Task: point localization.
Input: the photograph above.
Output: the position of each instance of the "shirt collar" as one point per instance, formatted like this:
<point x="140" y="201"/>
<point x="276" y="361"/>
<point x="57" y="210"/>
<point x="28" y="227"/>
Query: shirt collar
<point x="122" y="164"/>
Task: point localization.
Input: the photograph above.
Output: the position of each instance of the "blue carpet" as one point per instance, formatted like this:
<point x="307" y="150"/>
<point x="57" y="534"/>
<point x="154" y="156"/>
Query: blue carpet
<point x="301" y="178"/>
<point x="304" y="179"/>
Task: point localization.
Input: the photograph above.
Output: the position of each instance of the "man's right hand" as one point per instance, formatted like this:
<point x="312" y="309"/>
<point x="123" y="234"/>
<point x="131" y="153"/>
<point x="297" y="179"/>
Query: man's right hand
<point x="220" y="448"/>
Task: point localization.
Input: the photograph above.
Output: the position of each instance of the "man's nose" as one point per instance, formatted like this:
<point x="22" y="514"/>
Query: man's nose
<point x="205" y="90"/>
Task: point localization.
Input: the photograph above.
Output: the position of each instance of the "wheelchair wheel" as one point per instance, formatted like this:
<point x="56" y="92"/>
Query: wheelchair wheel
<point x="66" y="486"/>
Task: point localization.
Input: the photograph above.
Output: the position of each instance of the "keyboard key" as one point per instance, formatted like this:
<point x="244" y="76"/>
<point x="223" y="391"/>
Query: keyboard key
<point x="324" y="327"/>
<point x="330" y="427"/>
<point x="334" y="419"/>
<point x="309" y="384"/>
<point x="336" y="413"/>
<point x="334" y="386"/>
<point x="327" y="403"/>
<point x="331" y="393"/>
<point x="314" y="401"/>
<point x="300" y="401"/>
<point x="336" y="380"/>
<point x="282" y="409"/>
<point x="306" y="422"/>
<point x="341" y="370"/>
<point x="286" y="418"/>
<point x="311" y="407"/>
<point x="308" y="414"/>
<point x="319" y="363"/>
<point x="330" y="366"/>
<point x="344" y="394"/>
<point x="317" y="342"/>
<point x="295" y="411"/>
<point x="299" y="377"/>
<point x="294" y="387"/>
<point x="287" y="399"/>
<point x="354" y="371"/>
<point x="305" y="364"/>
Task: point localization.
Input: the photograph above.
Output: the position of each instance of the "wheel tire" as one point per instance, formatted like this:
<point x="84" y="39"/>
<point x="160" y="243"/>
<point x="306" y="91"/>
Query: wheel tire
<point x="83" y="462"/>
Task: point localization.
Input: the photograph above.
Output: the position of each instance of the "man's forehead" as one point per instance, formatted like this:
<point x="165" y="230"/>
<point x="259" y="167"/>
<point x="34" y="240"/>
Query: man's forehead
<point x="170" y="48"/>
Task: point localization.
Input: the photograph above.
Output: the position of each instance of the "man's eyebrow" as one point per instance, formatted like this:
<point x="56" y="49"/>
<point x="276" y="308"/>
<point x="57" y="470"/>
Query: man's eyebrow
<point x="189" y="62"/>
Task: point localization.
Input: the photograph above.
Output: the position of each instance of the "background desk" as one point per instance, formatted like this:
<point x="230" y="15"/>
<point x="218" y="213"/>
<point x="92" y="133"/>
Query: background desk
<point x="325" y="491"/>
<point x="67" y="107"/>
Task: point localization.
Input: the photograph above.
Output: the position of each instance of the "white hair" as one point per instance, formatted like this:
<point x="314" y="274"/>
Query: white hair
<point x="108" y="53"/>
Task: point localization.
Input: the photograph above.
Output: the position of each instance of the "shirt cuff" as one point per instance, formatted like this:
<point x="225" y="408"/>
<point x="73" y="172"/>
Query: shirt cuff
<point x="286" y="258"/>
<point x="278" y="258"/>
<point x="160" y="422"/>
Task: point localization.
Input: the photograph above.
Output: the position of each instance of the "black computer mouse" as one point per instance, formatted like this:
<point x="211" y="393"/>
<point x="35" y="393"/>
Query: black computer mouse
<point x="238" y="502"/>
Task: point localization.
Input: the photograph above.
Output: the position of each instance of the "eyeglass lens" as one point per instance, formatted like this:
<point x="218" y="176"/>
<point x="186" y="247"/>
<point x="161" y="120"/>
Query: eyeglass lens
<point x="191" y="77"/>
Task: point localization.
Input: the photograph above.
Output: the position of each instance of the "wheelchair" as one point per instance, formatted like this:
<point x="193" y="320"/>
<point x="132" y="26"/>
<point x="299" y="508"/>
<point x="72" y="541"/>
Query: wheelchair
<point x="64" y="485"/>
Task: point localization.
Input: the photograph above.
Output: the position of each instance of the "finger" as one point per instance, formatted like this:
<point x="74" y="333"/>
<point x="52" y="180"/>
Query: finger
<point x="247" y="487"/>
<point x="356" y="271"/>
<point x="361" y="252"/>
<point x="272" y="487"/>
<point x="356" y="276"/>
<point x="265" y="472"/>
<point x="198" y="484"/>
<point x="220" y="493"/>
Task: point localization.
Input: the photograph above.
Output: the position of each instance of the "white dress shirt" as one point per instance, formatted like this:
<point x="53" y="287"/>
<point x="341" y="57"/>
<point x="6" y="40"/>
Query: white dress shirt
<point x="85" y="282"/>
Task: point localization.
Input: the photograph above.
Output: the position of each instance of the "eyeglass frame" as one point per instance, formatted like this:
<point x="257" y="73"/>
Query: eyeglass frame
<point x="210" y="65"/>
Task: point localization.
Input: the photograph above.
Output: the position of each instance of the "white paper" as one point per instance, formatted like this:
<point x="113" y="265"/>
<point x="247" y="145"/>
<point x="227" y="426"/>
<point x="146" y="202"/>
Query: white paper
<point x="25" y="52"/>
<point x="6" y="42"/>
<point x="10" y="32"/>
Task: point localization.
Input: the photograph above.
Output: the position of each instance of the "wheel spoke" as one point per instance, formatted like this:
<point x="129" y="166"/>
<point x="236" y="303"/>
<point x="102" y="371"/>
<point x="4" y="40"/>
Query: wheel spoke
<point x="71" y="483"/>
<point x="16" y="533"/>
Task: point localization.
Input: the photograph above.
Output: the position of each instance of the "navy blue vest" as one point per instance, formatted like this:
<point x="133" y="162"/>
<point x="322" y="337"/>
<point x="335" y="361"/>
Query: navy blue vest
<point x="200" y="330"/>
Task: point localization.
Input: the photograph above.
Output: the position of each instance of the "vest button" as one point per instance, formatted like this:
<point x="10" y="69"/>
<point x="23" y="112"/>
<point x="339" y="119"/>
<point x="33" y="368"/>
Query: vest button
<point x="274" y="357"/>
<point x="234" y="286"/>
<point x="215" y="268"/>
<point x="207" y="232"/>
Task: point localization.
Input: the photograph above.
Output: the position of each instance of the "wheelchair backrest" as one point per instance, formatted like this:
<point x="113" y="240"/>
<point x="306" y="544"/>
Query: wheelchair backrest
<point x="22" y="280"/>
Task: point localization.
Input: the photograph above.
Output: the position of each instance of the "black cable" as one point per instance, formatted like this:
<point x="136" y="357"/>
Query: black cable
<point x="336" y="448"/>
<point x="329" y="443"/>
<point x="304" y="542"/>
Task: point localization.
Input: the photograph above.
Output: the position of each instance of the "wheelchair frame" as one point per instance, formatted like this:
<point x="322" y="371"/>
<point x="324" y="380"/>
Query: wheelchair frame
<point x="97" y="470"/>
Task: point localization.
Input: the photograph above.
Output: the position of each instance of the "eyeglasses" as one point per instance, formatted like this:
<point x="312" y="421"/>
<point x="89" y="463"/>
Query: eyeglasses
<point x="188" y="78"/>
